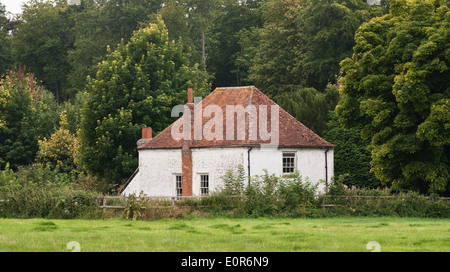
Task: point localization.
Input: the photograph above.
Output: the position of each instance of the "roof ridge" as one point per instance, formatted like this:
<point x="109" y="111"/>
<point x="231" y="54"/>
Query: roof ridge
<point x="236" y="87"/>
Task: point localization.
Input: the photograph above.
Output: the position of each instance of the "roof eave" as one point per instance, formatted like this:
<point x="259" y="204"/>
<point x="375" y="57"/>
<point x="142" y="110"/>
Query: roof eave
<point x="239" y="146"/>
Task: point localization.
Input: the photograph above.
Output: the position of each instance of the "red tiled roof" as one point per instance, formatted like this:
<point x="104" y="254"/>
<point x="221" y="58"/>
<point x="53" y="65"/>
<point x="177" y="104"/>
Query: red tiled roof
<point x="292" y="133"/>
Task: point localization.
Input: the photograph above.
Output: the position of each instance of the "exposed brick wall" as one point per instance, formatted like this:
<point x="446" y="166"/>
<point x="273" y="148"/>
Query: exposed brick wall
<point x="186" y="157"/>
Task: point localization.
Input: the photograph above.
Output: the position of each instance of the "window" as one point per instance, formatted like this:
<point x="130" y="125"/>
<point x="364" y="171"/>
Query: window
<point x="179" y="185"/>
<point x="204" y="185"/>
<point x="288" y="163"/>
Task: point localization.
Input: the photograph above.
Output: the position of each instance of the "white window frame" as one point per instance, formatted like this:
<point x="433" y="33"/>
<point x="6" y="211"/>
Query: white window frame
<point x="292" y="165"/>
<point x="204" y="191"/>
<point x="178" y="181"/>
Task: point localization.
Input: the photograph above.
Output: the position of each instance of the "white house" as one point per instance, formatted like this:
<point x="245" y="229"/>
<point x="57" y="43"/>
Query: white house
<point x="231" y="127"/>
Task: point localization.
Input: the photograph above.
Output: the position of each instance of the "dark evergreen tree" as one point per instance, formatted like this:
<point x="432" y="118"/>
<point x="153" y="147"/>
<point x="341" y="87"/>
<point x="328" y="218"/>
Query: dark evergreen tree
<point x="351" y="156"/>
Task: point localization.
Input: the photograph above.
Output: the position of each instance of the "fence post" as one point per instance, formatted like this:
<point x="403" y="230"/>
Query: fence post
<point x="104" y="204"/>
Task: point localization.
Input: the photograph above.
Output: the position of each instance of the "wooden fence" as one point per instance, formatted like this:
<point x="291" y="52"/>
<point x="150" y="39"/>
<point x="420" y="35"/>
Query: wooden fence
<point x="102" y="201"/>
<point x="352" y="198"/>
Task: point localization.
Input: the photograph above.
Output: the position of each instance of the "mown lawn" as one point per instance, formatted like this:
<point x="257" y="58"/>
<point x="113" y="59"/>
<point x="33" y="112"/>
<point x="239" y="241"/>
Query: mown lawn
<point x="227" y="235"/>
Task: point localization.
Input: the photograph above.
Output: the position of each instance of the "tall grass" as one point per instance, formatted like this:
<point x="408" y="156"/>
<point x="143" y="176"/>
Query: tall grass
<point x="61" y="202"/>
<point x="40" y="191"/>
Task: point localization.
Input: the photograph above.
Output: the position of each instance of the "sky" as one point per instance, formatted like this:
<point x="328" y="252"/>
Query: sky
<point x="13" y="6"/>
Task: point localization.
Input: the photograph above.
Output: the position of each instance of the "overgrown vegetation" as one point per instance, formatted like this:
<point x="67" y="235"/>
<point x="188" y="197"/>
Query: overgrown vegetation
<point x="269" y="195"/>
<point x="41" y="191"/>
<point x="272" y="196"/>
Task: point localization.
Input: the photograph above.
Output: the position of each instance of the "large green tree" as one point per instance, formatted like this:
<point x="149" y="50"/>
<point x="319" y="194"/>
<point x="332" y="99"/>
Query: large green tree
<point x="176" y="17"/>
<point x="276" y="65"/>
<point x="249" y="40"/>
<point x="214" y="32"/>
<point x="310" y="106"/>
<point x="182" y="22"/>
<point x="137" y="85"/>
<point x="231" y="22"/>
<point x="395" y="89"/>
<point x="98" y="24"/>
<point x="303" y="41"/>
<point x="328" y="28"/>
<point x="42" y="40"/>
<point x="28" y="113"/>
<point x="5" y="55"/>
<point x="351" y="157"/>
<point x="201" y="13"/>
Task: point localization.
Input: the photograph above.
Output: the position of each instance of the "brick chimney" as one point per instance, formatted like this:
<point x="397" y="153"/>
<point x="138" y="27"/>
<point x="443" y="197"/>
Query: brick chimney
<point x="186" y="152"/>
<point x="190" y="96"/>
<point x="147" y="133"/>
<point x="146" y="137"/>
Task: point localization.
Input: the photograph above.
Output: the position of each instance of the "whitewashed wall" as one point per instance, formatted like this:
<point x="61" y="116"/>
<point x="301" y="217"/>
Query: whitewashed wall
<point x="309" y="161"/>
<point x="133" y="187"/>
<point x="215" y="162"/>
<point x="157" y="168"/>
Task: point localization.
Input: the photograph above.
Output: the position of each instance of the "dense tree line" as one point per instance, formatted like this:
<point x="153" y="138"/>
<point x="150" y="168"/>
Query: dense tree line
<point x="395" y="89"/>
<point x="107" y="68"/>
<point x="5" y="57"/>
<point x="292" y="42"/>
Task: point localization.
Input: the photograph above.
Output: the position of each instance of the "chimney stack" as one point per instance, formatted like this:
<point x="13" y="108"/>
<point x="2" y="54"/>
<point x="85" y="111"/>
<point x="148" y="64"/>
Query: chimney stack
<point x="190" y="105"/>
<point x="190" y="96"/>
<point x="147" y="133"/>
<point x="146" y="137"/>
<point x="186" y="153"/>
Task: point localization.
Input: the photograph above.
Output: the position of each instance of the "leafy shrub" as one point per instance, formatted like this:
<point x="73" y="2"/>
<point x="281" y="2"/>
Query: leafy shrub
<point x="7" y="176"/>
<point x="61" y="149"/>
<point x="227" y="199"/>
<point x="266" y="195"/>
<point x="39" y="173"/>
<point x="294" y="194"/>
<point x="234" y="183"/>
<point x="380" y="202"/>
<point x="73" y="204"/>
<point x="351" y="157"/>
<point x="135" y="206"/>
<point x="269" y="195"/>
<point x="42" y="191"/>
<point x="260" y="196"/>
<point x="46" y="201"/>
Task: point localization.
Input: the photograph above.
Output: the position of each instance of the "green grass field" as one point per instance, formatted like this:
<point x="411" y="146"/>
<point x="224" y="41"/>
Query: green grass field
<point x="227" y="235"/>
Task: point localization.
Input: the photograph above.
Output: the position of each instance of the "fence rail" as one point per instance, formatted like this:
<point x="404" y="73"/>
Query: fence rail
<point x="104" y="200"/>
